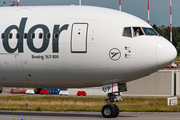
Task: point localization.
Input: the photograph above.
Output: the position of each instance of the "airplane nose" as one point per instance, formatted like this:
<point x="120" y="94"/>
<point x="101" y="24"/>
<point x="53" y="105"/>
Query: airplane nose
<point x="166" y="53"/>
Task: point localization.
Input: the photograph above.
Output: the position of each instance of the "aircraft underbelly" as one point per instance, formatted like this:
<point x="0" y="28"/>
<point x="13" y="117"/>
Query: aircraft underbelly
<point x="11" y="69"/>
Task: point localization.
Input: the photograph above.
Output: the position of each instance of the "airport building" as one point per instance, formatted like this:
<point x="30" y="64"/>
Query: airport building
<point x="163" y="83"/>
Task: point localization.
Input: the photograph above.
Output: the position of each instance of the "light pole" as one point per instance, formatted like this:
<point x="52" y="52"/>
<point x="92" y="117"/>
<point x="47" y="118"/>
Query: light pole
<point x="171" y="21"/>
<point x="148" y="13"/>
<point x="79" y="2"/>
<point x="119" y="5"/>
<point x="17" y="2"/>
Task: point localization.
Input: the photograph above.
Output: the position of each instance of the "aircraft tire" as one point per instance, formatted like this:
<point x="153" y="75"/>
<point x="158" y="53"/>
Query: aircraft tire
<point x="116" y="111"/>
<point x="108" y="111"/>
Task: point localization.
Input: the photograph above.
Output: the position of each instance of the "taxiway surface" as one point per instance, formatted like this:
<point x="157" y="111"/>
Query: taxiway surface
<point x="24" y="115"/>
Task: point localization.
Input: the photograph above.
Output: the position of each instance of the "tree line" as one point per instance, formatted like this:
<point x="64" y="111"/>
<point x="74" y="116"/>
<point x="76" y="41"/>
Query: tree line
<point x="165" y="32"/>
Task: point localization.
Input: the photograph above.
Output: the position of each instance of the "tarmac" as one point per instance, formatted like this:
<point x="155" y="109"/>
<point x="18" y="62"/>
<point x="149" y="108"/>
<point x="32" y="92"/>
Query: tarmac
<point x="47" y="115"/>
<point x="33" y="115"/>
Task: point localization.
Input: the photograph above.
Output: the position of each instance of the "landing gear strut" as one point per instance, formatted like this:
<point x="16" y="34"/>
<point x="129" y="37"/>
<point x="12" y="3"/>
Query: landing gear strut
<point x="110" y="110"/>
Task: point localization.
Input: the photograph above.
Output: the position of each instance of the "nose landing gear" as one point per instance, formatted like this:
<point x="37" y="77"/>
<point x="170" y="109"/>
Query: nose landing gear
<point x="110" y="110"/>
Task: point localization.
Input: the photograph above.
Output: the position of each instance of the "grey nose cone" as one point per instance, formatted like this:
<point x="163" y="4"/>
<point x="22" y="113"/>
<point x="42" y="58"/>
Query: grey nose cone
<point x="166" y="53"/>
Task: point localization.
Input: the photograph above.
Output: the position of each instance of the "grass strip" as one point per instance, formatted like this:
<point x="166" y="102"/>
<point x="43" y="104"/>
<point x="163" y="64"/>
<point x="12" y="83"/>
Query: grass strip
<point x="55" y="103"/>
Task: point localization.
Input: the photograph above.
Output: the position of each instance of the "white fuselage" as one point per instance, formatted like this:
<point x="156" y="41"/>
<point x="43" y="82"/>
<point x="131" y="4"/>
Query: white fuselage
<point x="81" y="55"/>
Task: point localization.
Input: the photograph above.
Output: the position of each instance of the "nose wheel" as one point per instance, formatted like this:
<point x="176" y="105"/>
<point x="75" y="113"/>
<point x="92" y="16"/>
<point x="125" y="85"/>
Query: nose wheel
<point x="116" y="111"/>
<point x="110" y="110"/>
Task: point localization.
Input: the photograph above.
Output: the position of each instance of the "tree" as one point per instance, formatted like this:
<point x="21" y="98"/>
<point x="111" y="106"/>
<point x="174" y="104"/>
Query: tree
<point x="156" y="28"/>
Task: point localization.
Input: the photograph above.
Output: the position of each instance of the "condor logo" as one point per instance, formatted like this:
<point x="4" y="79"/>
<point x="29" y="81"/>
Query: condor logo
<point x="19" y="47"/>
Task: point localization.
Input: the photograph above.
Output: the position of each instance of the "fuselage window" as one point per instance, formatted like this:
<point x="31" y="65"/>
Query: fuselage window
<point x="127" y="32"/>
<point x="137" y="31"/>
<point x="3" y="35"/>
<point x="149" y="31"/>
<point x="10" y="35"/>
<point x="56" y="35"/>
<point x="17" y="35"/>
<point x="40" y="35"/>
<point x="32" y="35"/>
<point x="48" y="35"/>
<point x="25" y="35"/>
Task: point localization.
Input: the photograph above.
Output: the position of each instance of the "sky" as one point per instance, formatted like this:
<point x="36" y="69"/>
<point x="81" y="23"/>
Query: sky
<point x="159" y="9"/>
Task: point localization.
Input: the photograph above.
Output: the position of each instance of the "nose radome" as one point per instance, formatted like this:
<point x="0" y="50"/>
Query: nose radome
<point x="166" y="53"/>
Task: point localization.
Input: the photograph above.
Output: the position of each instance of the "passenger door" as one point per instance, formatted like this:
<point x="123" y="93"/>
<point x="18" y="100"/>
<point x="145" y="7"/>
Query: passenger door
<point x="79" y="38"/>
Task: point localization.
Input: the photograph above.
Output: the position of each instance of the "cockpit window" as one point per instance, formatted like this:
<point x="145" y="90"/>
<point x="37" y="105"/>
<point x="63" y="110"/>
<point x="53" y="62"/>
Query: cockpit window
<point x="137" y="31"/>
<point x="149" y="31"/>
<point x="127" y="32"/>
